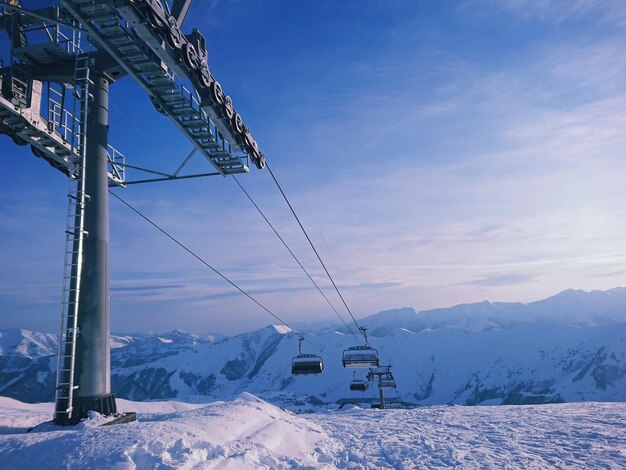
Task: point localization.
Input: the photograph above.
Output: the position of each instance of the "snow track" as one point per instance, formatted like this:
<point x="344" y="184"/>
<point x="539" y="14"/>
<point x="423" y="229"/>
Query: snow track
<point x="250" y="433"/>
<point x="578" y="435"/>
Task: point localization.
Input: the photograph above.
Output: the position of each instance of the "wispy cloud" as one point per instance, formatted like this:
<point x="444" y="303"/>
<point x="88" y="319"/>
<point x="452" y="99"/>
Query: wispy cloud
<point x="560" y="11"/>
<point x="502" y="280"/>
<point x="440" y="167"/>
<point x="548" y="177"/>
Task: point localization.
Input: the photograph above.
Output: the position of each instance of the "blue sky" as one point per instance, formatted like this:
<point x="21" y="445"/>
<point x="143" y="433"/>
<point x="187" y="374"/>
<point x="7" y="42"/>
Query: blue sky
<point x="438" y="153"/>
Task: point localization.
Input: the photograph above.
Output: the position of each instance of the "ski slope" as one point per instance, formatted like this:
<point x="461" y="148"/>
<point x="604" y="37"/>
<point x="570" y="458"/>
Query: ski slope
<point x="581" y="435"/>
<point x="249" y="433"/>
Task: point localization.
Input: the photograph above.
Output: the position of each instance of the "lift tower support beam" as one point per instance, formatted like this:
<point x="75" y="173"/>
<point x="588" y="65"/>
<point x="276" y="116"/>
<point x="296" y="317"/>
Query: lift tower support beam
<point x="92" y="369"/>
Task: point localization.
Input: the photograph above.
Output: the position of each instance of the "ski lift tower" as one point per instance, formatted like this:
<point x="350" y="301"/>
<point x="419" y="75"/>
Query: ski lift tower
<point x="386" y="381"/>
<point x="54" y="97"/>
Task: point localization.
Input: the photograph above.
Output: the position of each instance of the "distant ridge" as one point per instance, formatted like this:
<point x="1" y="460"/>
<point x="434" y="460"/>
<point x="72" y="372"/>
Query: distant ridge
<point x="568" y="308"/>
<point x="569" y="347"/>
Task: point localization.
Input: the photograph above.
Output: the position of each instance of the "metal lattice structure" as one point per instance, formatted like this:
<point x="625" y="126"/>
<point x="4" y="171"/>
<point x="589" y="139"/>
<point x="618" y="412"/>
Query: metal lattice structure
<point x="52" y="137"/>
<point x="54" y="98"/>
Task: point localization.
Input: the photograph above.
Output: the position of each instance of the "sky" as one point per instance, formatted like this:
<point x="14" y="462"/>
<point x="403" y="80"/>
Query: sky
<point x="437" y="152"/>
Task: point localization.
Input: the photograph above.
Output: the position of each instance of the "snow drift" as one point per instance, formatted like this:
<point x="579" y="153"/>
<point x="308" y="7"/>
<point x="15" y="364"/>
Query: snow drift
<point x="248" y="433"/>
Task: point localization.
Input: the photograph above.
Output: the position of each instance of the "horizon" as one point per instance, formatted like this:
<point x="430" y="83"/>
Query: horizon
<point x="437" y="154"/>
<point x="322" y="323"/>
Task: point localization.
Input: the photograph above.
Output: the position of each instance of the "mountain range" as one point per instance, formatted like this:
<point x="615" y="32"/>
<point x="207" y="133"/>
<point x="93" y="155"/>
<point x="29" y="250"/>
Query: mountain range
<point x="569" y="347"/>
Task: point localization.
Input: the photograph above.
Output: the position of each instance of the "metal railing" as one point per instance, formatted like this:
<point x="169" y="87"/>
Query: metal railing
<point x="117" y="164"/>
<point x="68" y="40"/>
<point x="60" y="118"/>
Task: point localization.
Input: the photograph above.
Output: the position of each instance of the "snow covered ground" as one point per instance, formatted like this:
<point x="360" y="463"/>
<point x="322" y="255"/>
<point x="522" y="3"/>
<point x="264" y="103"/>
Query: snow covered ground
<point x="250" y="433"/>
<point x="581" y="435"/>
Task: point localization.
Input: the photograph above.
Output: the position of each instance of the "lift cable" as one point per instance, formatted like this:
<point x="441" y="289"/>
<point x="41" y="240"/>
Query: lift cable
<point x="157" y="149"/>
<point x="330" y="252"/>
<point x="293" y="254"/>
<point x="188" y="250"/>
<point x="234" y="62"/>
<point x="314" y="249"/>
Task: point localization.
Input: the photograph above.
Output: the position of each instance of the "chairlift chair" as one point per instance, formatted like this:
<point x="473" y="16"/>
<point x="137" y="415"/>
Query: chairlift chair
<point x="361" y="356"/>
<point x="387" y="382"/>
<point x="306" y="364"/>
<point x="358" y="385"/>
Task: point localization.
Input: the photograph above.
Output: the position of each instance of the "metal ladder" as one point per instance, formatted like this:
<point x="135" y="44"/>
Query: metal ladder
<point x="75" y="235"/>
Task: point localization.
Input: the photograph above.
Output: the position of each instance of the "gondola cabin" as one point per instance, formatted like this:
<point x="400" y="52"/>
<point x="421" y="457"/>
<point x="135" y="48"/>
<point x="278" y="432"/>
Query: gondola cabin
<point x="359" y="385"/>
<point x="307" y="364"/>
<point x="360" y="356"/>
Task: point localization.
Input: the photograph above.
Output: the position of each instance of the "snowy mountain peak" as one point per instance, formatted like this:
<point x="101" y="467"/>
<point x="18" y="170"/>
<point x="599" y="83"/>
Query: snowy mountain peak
<point x="570" y="307"/>
<point x="567" y="347"/>
<point x="579" y="307"/>
<point x="178" y="336"/>
<point x="282" y="329"/>
<point x="26" y="343"/>
<point x="571" y="294"/>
